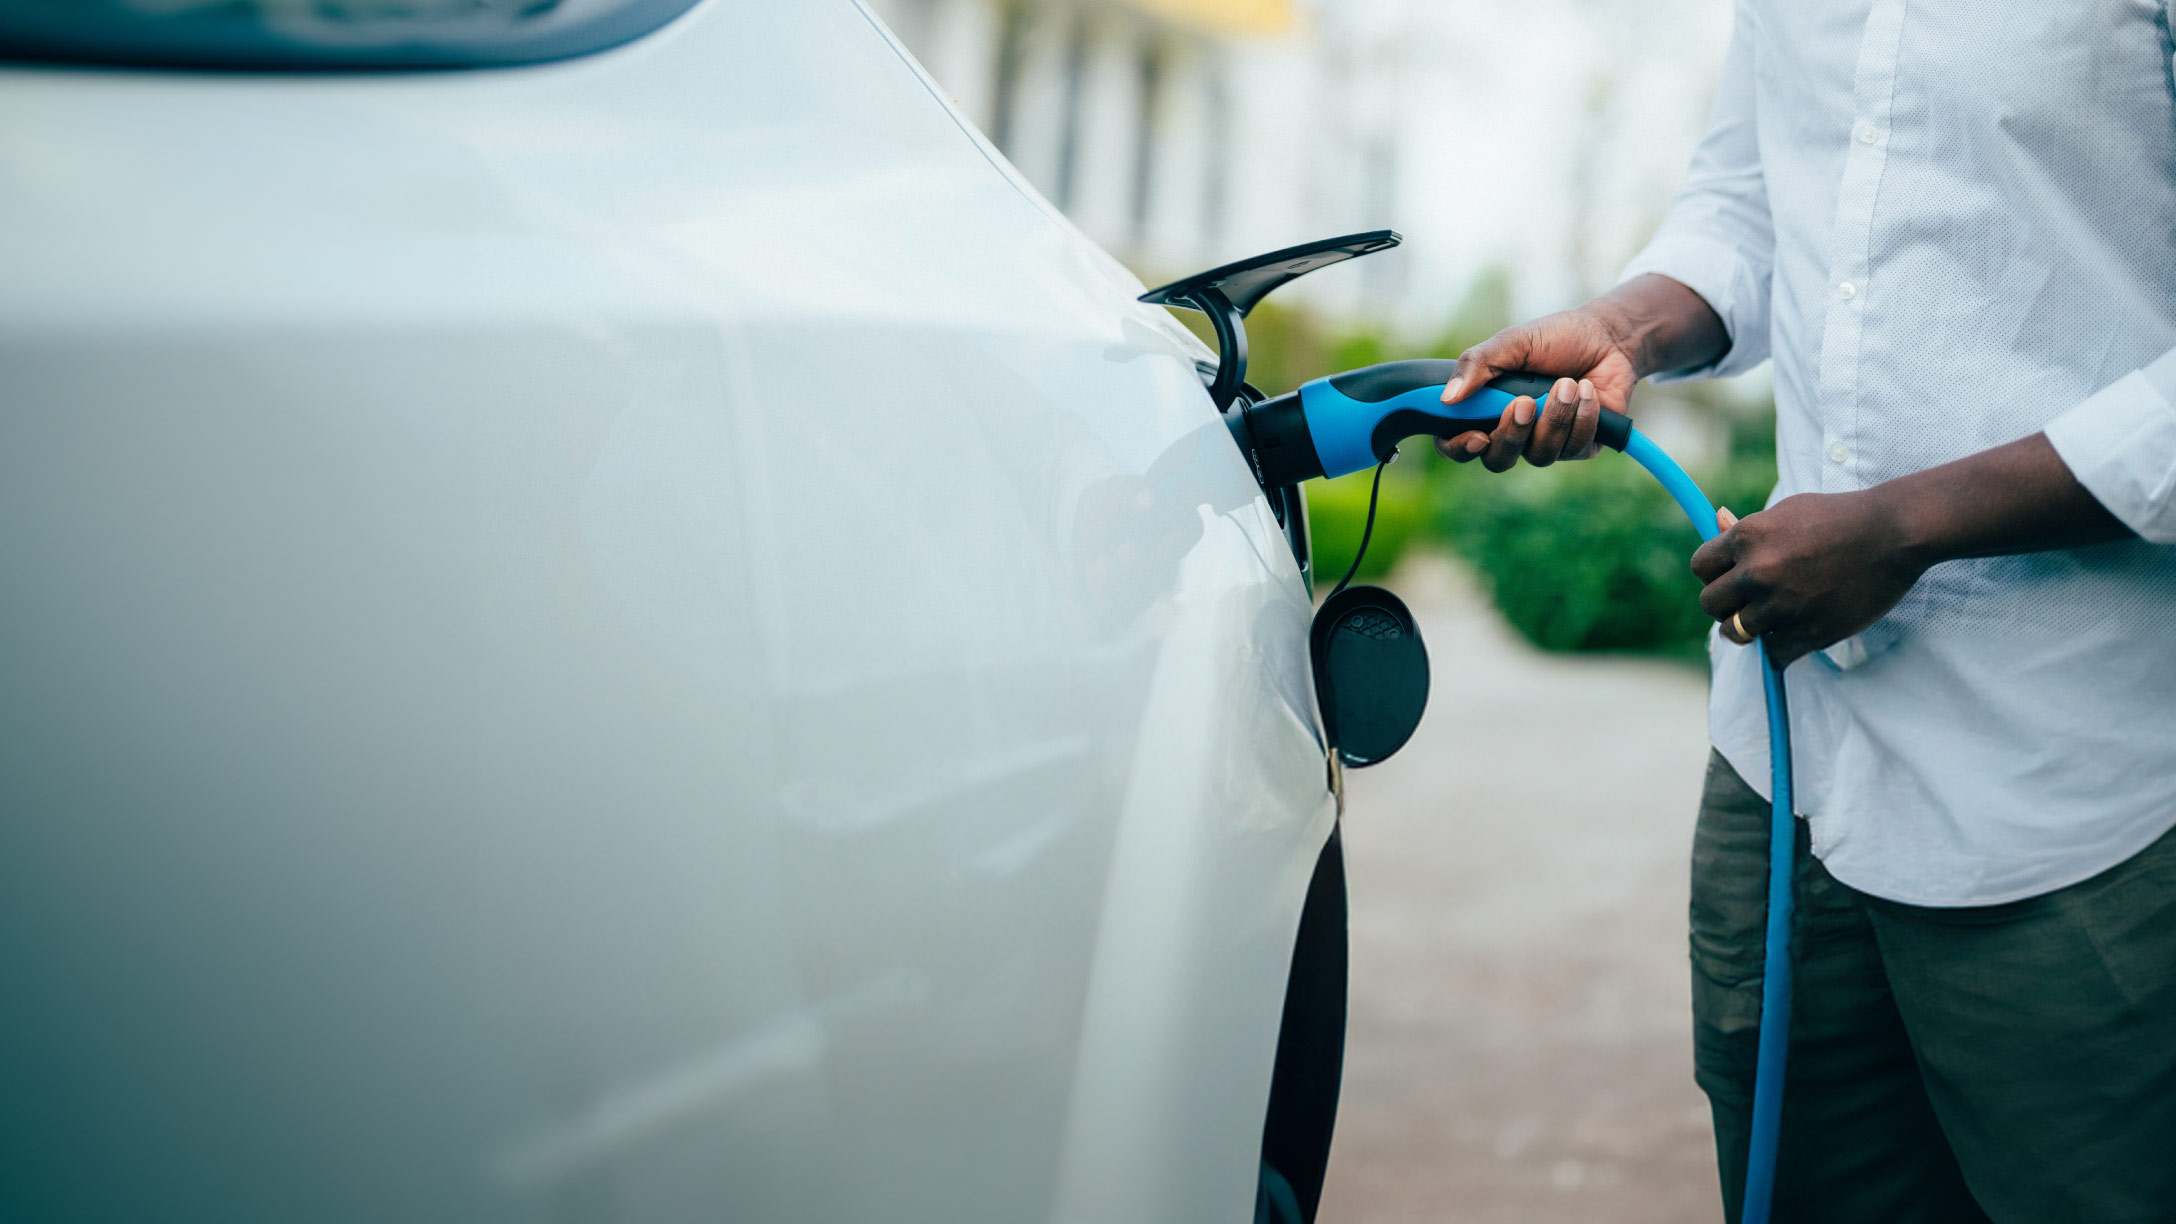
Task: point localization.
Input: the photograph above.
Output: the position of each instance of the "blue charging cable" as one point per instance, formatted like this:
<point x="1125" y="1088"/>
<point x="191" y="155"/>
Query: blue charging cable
<point x="1775" y="987"/>
<point x="1346" y="422"/>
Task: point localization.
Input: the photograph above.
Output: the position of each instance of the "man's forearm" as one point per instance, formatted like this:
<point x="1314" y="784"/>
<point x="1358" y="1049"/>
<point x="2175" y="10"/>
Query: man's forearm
<point x="2015" y="498"/>
<point x="1815" y="568"/>
<point x="1662" y="324"/>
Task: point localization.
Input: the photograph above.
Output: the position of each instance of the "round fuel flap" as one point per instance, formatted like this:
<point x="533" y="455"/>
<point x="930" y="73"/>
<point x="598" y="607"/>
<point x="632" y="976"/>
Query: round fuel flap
<point x="1371" y="673"/>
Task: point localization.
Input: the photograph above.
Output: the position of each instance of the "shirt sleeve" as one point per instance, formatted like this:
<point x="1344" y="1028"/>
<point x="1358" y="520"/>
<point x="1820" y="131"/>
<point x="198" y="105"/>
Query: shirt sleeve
<point x="1719" y="239"/>
<point x="2120" y="442"/>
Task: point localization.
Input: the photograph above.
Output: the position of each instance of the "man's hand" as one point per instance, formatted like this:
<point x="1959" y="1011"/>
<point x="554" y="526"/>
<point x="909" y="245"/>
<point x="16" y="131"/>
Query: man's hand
<point x="1807" y="572"/>
<point x="1578" y="343"/>
<point x="1814" y="569"/>
<point x="1598" y="350"/>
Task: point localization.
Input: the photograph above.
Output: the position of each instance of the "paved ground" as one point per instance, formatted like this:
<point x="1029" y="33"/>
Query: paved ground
<point x="1519" y="1045"/>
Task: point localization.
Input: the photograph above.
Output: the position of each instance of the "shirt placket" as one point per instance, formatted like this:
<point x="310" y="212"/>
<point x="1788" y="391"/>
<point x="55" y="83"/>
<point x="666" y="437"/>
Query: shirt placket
<point x="1851" y="290"/>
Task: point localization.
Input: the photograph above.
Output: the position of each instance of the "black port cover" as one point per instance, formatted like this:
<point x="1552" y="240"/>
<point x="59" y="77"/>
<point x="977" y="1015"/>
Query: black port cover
<point x="1371" y="673"/>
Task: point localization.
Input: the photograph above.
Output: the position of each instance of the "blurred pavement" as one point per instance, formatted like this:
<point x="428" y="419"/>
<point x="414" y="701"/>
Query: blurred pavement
<point x="1519" y="1047"/>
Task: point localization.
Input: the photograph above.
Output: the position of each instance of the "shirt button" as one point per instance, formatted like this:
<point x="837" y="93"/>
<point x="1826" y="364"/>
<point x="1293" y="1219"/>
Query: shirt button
<point x="1868" y="133"/>
<point x="1838" y="452"/>
<point x="1847" y="291"/>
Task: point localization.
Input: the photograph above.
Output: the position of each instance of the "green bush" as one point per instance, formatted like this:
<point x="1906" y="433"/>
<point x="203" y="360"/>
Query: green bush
<point x="1337" y="511"/>
<point x="1592" y="555"/>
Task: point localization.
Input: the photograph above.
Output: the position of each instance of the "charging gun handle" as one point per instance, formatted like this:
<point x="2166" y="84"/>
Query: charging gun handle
<point x="1354" y="420"/>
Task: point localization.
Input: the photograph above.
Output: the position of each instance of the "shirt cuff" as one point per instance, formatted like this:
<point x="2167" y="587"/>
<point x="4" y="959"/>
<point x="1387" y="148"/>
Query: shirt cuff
<point x="2120" y="443"/>
<point x="1728" y="282"/>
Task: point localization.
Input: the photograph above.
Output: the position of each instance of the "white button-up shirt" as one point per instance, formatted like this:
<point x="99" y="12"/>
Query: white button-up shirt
<point x="1953" y="224"/>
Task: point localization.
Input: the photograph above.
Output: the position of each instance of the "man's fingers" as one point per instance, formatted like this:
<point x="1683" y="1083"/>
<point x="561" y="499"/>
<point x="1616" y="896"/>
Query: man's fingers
<point x="1484" y="361"/>
<point x="1508" y="442"/>
<point x="1717" y="553"/>
<point x="1731" y="632"/>
<point x="1554" y="428"/>
<point x="1723" y="600"/>
<point x="1586" y="422"/>
<point x="1724" y="597"/>
<point x="1462" y="448"/>
<point x="1713" y="558"/>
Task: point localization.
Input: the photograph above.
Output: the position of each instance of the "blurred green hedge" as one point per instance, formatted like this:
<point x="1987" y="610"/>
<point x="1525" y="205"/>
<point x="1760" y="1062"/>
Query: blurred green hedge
<point x="1591" y="555"/>
<point x="1337" y="512"/>
<point x="1578" y="556"/>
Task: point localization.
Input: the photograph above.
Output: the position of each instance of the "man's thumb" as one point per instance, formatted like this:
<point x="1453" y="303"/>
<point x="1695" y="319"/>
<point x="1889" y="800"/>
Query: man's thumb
<point x="1474" y="369"/>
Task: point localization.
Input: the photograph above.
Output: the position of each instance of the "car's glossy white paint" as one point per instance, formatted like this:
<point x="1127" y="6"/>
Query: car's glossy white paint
<point x="650" y="638"/>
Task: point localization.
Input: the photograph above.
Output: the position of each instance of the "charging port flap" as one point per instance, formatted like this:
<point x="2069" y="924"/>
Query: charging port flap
<point x="1371" y="673"/>
<point x="1227" y="293"/>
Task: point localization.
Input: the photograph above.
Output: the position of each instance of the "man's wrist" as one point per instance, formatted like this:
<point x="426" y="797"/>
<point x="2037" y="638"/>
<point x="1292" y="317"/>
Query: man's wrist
<point x="1661" y="325"/>
<point x="1913" y="527"/>
<point x="1626" y="333"/>
<point x="2015" y="498"/>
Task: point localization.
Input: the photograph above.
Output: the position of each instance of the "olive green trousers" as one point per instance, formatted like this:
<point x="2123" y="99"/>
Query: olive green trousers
<point x="2012" y="1063"/>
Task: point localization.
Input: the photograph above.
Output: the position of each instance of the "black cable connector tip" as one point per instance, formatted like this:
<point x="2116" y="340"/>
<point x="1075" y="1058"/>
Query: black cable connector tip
<point x="1614" y="431"/>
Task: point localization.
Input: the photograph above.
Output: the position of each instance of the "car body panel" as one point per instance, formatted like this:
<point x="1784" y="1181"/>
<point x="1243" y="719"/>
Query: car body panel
<point x="647" y="638"/>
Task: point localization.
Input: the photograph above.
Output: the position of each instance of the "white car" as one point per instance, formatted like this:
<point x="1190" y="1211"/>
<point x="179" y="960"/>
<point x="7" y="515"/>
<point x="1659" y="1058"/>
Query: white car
<point x="604" y="616"/>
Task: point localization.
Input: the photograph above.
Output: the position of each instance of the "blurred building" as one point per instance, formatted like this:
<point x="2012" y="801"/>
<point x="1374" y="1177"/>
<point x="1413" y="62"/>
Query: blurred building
<point x="1174" y="132"/>
<point x="1541" y="136"/>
